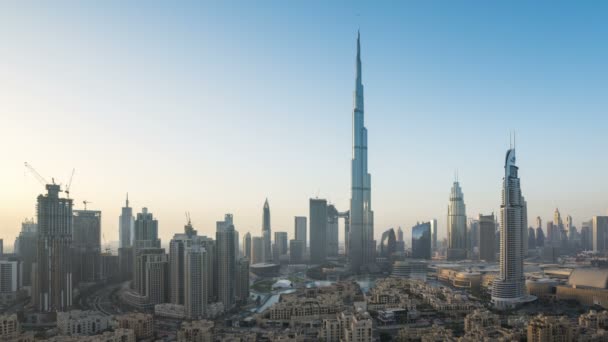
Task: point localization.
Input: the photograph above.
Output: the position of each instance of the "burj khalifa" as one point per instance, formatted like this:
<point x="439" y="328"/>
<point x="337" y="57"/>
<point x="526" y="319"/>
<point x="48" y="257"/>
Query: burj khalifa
<point x="362" y="245"/>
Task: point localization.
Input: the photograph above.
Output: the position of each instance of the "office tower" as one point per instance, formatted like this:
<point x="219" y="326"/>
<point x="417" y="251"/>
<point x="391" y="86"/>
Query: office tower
<point x="247" y="246"/>
<point x="300" y="229"/>
<point x="266" y="231"/>
<point x="126" y="261"/>
<point x="296" y="251"/>
<point x="540" y="237"/>
<point x="508" y="288"/>
<point x="11" y="280"/>
<point x="126" y="226"/>
<point x="421" y="241"/>
<point x="487" y="235"/>
<point x="242" y="281"/>
<point x="587" y="235"/>
<point x="195" y="287"/>
<point x="333" y="232"/>
<point x="599" y="228"/>
<point x="552" y="235"/>
<point x="152" y="275"/>
<point x="146" y="230"/>
<point x="109" y="267"/>
<point x="211" y="274"/>
<point x="531" y="238"/>
<point x="257" y="250"/>
<point x="25" y="248"/>
<point x="53" y="288"/>
<point x="457" y="224"/>
<point x="86" y="246"/>
<point x="177" y="267"/>
<point x="473" y="236"/>
<point x="226" y="261"/>
<point x="433" y="235"/>
<point x="280" y="245"/>
<point x="400" y="241"/>
<point x="557" y="220"/>
<point x="569" y="224"/>
<point x="362" y="245"/>
<point x="539" y="222"/>
<point x="318" y="230"/>
<point x="388" y="243"/>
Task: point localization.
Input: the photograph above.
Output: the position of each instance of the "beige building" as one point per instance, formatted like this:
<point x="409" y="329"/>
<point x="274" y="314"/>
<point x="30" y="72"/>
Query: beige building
<point x="9" y="327"/>
<point x="347" y="327"/>
<point x="481" y="319"/>
<point x="77" y="322"/>
<point x="550" y="329"/>
<point x="588" y="286"/>
<point x="196" y="331"/>
<point x="141" y="324"/>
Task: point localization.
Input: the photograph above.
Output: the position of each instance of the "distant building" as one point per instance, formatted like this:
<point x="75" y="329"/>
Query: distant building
<point x="257" y="250"/>
<point x="126" y="261"/>
<point x="86" y="246"/>
<point x="421" y="241"/>
<point x="280" y="246"/>
<point x="318" y="230"/>
<point x="300" y="229"/>
<point x="388" y="243"/>
<point x="126" y="225"/>
<point x="550" y="328"/>
<point x="333" y="233"/>
<point x="196" y="286"/>
<point x="247" y="246"/>
<point x="196" y="331"/>
<point x="296" y="251"/>
<point x="10" y="279"/>
<point x="53" y="288"/>
<point x="540" y="237"/>
<point x="473" y="235"/>
<point x="226" y="260"/>
<point x="152" y="275"/>
<point x="146" y="231"/>
<point x="110" y="266"/>
<point x="401" y="242"/>
<point x="25" y="248"/>
<point x="487" y="235"/>
<point x="242" y="281"/>
<point x="434" y="235"/>
<point x="531" y="238"/>
<point x="587" y="235"/>
<point x="266" y="231"/>
<point x="457" y="224"/>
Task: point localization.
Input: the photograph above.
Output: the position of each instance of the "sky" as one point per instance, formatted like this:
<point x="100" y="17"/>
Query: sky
<point x="212" y="107"/>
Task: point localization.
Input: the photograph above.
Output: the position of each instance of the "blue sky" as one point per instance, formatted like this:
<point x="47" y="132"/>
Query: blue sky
<point x="210" y="107"/>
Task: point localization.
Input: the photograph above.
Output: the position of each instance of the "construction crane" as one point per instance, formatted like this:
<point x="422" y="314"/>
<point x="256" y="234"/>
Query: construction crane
<point x="35" y="173"/>
<point x="67" y="187"/>
<point x="188" y="217"/>
<point x="85" y="202"/>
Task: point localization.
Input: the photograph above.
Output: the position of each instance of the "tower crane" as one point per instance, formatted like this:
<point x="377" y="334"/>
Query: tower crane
<point x="85" y="202"/>
<point x="67" y="187"/>
<point x="35" y="173"/>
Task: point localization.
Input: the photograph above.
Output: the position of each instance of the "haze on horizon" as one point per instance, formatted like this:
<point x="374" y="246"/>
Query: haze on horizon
<point x="211" y="108"/>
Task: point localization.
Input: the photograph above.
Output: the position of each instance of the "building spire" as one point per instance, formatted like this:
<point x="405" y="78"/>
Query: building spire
<point x="127" y="200"/>
<point x="358" y="57"/>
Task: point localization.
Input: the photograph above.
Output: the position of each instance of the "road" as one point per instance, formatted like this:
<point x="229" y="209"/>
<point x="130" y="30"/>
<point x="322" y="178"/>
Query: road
<point x="103" y="300"/>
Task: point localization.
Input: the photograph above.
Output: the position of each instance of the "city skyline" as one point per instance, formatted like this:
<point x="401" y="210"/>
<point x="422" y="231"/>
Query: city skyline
<point x="190" y="177"/>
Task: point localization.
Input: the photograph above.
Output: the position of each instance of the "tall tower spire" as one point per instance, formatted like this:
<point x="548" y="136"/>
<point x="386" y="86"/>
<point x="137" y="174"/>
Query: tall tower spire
<point x="127" y="202"/>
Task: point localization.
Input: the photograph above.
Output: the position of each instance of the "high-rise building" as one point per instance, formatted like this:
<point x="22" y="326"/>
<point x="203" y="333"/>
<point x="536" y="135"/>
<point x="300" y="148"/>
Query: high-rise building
<point x="242" y="281"/>
<point x="25" y="248"/>
<point x="421" y="241"/>
<point x="401" y="242"/>
<point x="280" y="246"/>
<point x="10" y="280"/>
<point x="508" y="288"/>
<point x="487" y="234"/>
<point x="524" y="225"/>
<point x="388" y="243"/>
<point x="53" y="288"/>
<point x="257" y="250"/>
<point x="457" y="224"/>
<point x="362" y="246"/>
<point x="587" y="235"/>
<point x="226" y="261"/>
<point x="247" y="246"/>
<point x="333" y="232"/>
<point x="599" y="228"/>
<point x="296" y="251"/>
<point x="86" y="246"/>
<point x="540" y="237"/>
<point x="126" y="262"/>
<point x="318" y="230"/>
<point x="195" y="284"/>
<point x="433" y="235"/>
<point x="126" y="225"/>
<point x="300" y="229"/>
<point x="473" y="236"/>
<point x="146" y="230"/>
<point x="266" y="232"/>
<point x="152" y="274"/>
<point x="177" y="261"/>
<point x="531" y="238"/>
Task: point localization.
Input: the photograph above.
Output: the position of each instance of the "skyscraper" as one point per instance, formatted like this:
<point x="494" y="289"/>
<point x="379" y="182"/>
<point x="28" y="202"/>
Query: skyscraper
<point x="266" y="231"/>
<point x="257" y="249"/>
<point x="125" y="225"/>
<point x="421" y="241"/>
<point x="599" y="229"/>
<point x="318" y="230"/>
<point x="487" y="235"/>
<point x="433" y="235"/>
<point x="280" y="246"/>
<point x="247" y="246"/>
<point x="531" y="238"/>
<point x="400" y="241"/>
<point x="587" y="235"/>
<point x="196" y="291"/>
<point x="508" y="288"/>
<point x="53" y="288"/>
<point x="300" y="229"/>
<point x="473" y="236"/>
<point x="457" y="224"/>
<point x="226" y="261"/>
<point x="241" y="290"/>
<point x="540" y="237"/>
<point x="86" y="246"/>
<point x="524" y="225"/>
<point x="362" y="245"/>
<point x="296" y="251"/>
<point x="146" y="230"/>
<point x="152" y="275"/>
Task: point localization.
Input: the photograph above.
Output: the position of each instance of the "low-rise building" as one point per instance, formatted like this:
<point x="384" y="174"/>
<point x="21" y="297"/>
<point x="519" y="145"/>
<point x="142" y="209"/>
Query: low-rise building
<point x="9" y="327"/>
<point x="550" y="328"/>
<point x="142" y="324"/>
<point x="196" y="331"/>
<point x="175" y="311"/>
<point x="77" y="322"/>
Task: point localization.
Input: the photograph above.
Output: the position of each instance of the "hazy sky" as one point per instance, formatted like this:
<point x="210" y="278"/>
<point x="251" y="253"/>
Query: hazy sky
<point x="210" y="107"/>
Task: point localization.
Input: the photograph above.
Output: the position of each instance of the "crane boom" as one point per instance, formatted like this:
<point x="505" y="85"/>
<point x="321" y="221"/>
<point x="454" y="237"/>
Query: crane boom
<point x="36" y="174"/>
<point x="67" y="188"/>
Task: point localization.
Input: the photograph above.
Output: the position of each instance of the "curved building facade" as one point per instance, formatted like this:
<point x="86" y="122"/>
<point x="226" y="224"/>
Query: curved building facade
<point x="509" y="287"/>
